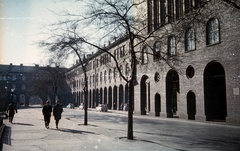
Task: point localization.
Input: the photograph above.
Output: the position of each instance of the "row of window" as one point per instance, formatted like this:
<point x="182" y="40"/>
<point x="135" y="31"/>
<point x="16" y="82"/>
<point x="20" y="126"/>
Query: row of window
<point x="106" y="58"/>
<point x="104" y="76"/>
<point x="12" y="77"/>
<point x="212" y="37"/>
<point x="161" y="12"/>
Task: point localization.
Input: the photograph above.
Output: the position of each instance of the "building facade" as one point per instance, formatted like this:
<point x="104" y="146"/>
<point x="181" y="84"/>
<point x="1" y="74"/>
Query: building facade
<point x="194" y="72"/>
<point x="29" y="85"/>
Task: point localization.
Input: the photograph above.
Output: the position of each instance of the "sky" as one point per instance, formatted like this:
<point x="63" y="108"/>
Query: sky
<point x="21" y="22"/>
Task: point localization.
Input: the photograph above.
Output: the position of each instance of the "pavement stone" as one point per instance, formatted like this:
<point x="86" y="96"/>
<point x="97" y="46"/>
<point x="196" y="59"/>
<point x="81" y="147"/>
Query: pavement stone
<point x="28" y="133"/>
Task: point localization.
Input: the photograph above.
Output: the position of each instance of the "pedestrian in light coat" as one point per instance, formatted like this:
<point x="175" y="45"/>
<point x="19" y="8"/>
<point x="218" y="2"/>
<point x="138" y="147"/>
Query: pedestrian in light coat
<point x="57" y="112"/>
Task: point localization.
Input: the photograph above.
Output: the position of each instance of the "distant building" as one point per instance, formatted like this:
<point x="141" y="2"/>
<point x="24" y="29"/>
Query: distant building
<point x="201" y="83"/>
<point x="25" y="85"/>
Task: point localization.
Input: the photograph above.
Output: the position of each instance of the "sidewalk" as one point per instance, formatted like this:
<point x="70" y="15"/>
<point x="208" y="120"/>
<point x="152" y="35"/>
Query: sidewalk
<point x="28" y="133"/>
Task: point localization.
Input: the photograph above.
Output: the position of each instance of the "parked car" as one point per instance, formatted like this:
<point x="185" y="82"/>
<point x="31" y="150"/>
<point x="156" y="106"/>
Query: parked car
<point x="81" y="107"/>
<point x="102" y="108"/>
<point x="70" y="106"/>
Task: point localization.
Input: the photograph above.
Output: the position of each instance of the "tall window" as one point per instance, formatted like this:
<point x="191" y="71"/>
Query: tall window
<point x="156" y="14"/>
<point x="144" y="55"/>
<point x="162" y="12"/>
<point x="115" y="73"/>
<point x="110" y="74"/>
<point x="100" y="76"/>
<point x="188" y="5"/>
<point x="105" y="75"/>
<point x="170" y="11"/>
<point x="172" y="46"/>
<point x="213" y="31"/>
<point x="190" y="39"/>
<point x="157" y="51"/>
<point x="121" y="70"/>
<point x="149" y="10"/>
<point x="179" y="8"/>
<point x="127" y="70"/>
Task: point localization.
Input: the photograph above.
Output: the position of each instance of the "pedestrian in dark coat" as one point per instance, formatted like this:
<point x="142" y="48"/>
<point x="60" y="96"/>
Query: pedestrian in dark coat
<point x="57" y="112"/>
<point x="46" y="111"/>
<point x="11" y="111"/>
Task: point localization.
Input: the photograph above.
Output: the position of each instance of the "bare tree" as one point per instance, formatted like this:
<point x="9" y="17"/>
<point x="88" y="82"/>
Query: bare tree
<point x="47" y="82"/>
<point x="113" y="18"/>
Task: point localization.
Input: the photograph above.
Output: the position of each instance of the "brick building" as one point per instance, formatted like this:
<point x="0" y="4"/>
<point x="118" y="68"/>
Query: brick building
<point x="200" y="79"/>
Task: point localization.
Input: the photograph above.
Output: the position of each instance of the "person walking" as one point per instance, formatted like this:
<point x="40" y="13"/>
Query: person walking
<point x="47" y="110"/>
<point x="57" y="112"/>
<point x="11" y="111"/>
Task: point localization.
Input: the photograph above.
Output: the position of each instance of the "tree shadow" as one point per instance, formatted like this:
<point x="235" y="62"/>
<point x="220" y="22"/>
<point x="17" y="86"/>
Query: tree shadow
<point x="25" y="124"/>
<point x="66" y="130"/>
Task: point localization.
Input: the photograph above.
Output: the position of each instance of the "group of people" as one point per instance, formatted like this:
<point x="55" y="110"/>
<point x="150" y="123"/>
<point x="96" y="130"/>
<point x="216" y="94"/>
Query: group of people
<point x="57" y="113"/>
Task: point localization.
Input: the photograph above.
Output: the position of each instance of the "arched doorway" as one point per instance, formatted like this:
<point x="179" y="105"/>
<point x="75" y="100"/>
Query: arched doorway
<point x="215" y="92"/>
<point x="90" y="99"/>
<point x="110" y="98"/>
<point x="105" y="96"/>
<point x="191" y="105"/>
<point x="94" y="98"/>
<point x="144" y="95"/>
<point x="126" y="94"/>
<point x="100" y="96"/>
<point x="120" y="105"/>
<point x="172" y="91"/>
<point x="157" y="104"/>
<point x="115" y="98"/>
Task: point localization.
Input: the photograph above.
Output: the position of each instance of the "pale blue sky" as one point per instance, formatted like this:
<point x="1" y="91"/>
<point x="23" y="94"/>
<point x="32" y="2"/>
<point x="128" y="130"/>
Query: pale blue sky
<point x="21" y="21"/>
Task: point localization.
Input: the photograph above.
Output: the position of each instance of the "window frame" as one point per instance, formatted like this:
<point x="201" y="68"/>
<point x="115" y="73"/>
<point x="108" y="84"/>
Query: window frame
<point x="190" y="39"/>
<point x="212" y="32"/>
<point x="170" y="46"/>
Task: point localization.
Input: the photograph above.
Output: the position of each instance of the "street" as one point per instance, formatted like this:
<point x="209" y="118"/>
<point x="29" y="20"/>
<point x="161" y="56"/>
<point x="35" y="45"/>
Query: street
<point x="108" y="131"/>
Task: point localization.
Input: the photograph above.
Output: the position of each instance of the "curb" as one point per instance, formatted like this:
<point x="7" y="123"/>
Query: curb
<point x="2" y="130"/>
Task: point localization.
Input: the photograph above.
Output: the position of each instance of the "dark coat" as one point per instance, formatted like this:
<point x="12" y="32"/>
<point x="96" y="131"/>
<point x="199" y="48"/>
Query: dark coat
<point x="11" y="109"/>
<point x="57" y="111"/>
<point x="47" y="110"/>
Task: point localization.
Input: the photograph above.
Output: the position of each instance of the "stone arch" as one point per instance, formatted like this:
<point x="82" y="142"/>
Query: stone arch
<point x="144" y="95"/>
<point x="172" y="91"/>
<point x="215" y="92"/>
<point x="110" y="97"/>
<point x="121" y="97"/>
<point x="191" y="105"/>
<point x="114" y="97"/>
<point x="157" y="104"/>
<point x="105" y="96"/>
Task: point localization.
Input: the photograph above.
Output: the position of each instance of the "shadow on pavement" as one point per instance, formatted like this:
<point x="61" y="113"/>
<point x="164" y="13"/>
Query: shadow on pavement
<point x="74" y="131"/>
<point x="23" y="124"/>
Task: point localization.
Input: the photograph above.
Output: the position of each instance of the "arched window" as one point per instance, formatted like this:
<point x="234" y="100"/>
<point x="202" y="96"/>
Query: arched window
<point x="110" y="74"/>
<point x="170" y="11"/>
<point x="190" y="39"/>
<point x="121" y="70"/>
<point x="157" y="50"/>
<point x="127" y="70"/>
<point x="115" y="73"/>
<point x="100" y="76"/>
<point x="172" y="46"/>
<point x="105" y="75"/>
<point x="97" y="78"/>
<point x="144" y="55"/>
<point x="213" y="31"/>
